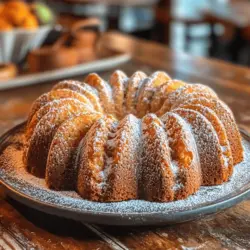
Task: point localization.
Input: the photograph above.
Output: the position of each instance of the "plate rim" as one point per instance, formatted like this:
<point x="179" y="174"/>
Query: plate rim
<point x="151" y="217"/>
<point x="100" y="64"/>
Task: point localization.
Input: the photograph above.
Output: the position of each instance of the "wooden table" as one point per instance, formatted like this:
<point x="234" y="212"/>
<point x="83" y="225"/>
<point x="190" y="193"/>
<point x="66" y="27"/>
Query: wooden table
<point x="25" y="228"/>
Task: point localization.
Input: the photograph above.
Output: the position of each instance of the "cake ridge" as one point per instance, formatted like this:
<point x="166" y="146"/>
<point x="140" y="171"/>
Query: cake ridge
<point x="118" y="81"/>
<point x="184" y="151"/>
<point x="208" y="147"/>
<point x="220" y="131"/>
<point x="138" y="137"/>
<point x="104" y="90"/>
<point x="60" y="172"/>
<point x="55" y="95"/>
<point x="81" y="88"/>
<point x="43" y="135"/>
<point x="227" y="118"/>
<point x="148" y="89"/>
<point x="158" y="174"/>
<point x="134" y="84"/>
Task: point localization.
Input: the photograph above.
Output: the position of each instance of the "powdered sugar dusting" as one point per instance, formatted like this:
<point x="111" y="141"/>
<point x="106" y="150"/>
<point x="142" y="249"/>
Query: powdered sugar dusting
<point x="183" y="93"/>
<point x="134" y="84"/>
<point x="104" y="89"/>
<point x="211" y="158"/>
<point x="164" y="160"/>
<point x="12" y="173"/>
<point x="118" y="80"/>
<point x="55" y="95"/>
<point x="146" y="93"/>
<point x="225" y="115"/>
<point x="82" y="88"/>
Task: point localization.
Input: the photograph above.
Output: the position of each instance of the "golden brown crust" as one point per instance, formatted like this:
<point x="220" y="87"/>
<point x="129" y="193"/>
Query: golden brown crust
<point x="182" y="94"/>
<point x="221" y="133"/>
<point x="196" y="141"/>
<point x="40" y="141"/>
<point x="56" y="95"/>
<point x="162" y="92"/>
<point x="226" y="117"/>
<point x="134" y="84"/>
<point x="123" y="158"/>
<point x="50" y="106"/>
<point x="92" y="159"/>
<point x="104" y="90"/>
<point x="61" y="170"/>
<point x="210" y="153"/>
<point x="118" y="81"/>
<point x="83" y="89"/>
<point x="53" y="105"/>
<point x="157" y="178"/>
<point x="148" y="89"/>
<point x="184" y="156"/>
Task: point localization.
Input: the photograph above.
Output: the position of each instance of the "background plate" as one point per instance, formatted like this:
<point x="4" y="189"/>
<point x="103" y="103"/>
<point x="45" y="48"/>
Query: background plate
<point x="108" y="62"/>
<point x="33" y="192"/>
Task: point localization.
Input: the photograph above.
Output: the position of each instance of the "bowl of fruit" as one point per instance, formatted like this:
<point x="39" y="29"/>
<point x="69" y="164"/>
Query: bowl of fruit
<point x="23" y="27"/>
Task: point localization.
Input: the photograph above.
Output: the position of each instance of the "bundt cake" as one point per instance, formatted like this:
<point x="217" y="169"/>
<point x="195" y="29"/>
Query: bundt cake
<point x="139" y="137"/>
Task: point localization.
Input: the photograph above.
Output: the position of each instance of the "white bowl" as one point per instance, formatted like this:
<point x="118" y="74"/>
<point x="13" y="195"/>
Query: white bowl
<point x="15" y="44"/>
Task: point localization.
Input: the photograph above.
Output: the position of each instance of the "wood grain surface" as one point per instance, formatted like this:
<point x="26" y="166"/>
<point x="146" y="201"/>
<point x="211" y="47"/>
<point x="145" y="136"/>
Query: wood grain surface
<point x="25" y="228"/>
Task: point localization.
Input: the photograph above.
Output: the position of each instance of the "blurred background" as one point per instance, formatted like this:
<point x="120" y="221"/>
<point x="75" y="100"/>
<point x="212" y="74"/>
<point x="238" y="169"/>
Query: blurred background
<point x="210" y="28"/>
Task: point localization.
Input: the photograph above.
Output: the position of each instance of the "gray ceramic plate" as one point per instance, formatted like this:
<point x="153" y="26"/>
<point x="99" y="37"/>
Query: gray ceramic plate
<point x="33" y="192"/>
